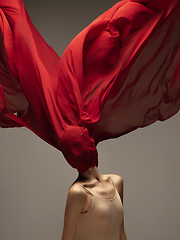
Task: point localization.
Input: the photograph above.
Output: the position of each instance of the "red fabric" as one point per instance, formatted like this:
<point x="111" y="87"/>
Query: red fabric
<point x="120" y="73"/>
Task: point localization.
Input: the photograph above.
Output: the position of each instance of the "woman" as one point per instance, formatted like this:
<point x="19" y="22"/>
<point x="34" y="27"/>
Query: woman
<point x="120" y="73"/>
<point x="94" y="207"/>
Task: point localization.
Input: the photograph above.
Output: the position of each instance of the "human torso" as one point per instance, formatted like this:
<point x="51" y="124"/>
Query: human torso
<point x="102" y="216"/>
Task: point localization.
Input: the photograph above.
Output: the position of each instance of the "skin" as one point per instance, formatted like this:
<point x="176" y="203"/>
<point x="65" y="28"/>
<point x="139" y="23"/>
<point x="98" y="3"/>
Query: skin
<point x="79" y="201"/>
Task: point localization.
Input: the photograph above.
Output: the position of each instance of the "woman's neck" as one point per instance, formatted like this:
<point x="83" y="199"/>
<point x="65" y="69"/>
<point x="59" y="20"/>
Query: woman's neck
<point x="91" y="174"/>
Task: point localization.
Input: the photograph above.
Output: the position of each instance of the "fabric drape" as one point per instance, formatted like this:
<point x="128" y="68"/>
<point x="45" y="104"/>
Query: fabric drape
<point x="120" y="73"/>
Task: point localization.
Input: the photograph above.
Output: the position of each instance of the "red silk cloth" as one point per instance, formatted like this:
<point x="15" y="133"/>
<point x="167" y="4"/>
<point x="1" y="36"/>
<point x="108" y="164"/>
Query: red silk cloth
<point x="120" y="73"/>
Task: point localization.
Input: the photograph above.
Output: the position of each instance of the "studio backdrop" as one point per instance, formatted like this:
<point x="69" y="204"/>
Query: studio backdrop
<point x="34" y="176"/>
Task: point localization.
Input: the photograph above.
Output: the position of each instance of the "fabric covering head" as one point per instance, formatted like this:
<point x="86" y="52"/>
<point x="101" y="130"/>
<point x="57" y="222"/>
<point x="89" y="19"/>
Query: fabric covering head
<point x="120" y="73"/>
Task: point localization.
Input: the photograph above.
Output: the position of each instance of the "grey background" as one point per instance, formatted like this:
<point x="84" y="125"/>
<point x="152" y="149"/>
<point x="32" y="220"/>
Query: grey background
<point x="34" y="177"/>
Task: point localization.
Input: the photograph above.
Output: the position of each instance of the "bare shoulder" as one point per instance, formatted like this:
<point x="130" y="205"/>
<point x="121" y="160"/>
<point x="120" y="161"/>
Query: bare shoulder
<point x="76" y="192"/>
<point x="117" y="179"/>
<point x="118" y="182"/>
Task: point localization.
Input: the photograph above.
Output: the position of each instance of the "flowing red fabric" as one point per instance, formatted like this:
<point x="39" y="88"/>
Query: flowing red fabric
<point x="120" y="73"/>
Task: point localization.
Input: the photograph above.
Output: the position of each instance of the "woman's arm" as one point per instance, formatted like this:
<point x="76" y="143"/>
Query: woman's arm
<point x="121" y="190"/>
<point x="123" y="234"/>
<point x="76" y="200"/>
<point x="119" y="183"/>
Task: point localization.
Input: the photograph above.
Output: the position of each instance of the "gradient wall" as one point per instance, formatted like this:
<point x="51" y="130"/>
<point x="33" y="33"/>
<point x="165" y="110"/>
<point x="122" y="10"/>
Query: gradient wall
<point x="34" y="177"/>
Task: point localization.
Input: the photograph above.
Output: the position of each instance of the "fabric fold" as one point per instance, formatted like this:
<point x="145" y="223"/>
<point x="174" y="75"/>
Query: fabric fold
<point x="120" y="73"/>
